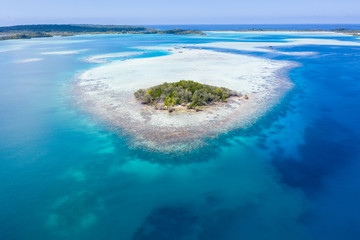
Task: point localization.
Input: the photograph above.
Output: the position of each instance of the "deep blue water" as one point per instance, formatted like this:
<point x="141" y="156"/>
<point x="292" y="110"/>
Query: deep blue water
<point x="292" y="175"/>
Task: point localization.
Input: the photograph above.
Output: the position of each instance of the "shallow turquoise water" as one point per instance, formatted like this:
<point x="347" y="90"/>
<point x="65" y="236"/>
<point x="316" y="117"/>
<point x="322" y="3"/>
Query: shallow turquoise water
<point x="292" y="175"/>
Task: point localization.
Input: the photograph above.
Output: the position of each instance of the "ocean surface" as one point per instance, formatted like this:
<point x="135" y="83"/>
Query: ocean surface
<point x="64" y="175"/>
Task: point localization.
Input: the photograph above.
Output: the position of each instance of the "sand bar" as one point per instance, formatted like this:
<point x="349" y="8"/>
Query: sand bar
<point x="265" y="46"/>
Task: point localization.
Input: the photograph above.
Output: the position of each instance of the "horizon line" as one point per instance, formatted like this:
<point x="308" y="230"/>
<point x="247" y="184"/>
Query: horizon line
<point x="179" y="24"/>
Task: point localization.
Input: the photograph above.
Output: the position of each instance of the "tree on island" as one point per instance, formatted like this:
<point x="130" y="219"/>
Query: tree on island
<point x="191" y="94"/>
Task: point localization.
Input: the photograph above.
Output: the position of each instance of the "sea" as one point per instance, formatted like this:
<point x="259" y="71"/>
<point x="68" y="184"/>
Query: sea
<point x="294" y="174"/>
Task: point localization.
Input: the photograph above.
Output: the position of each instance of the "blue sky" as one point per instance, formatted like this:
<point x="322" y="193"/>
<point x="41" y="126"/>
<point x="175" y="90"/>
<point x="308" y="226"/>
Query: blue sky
<point x="178" y="12"/>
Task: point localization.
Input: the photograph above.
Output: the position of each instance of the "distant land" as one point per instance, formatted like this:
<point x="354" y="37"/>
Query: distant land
<point x="349" y="29"/>
<point x="50" y="30"/>
<point x="336" y="30"/>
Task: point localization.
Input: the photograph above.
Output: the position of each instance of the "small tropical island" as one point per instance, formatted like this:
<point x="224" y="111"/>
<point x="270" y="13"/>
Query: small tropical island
<point x="189" y="94"/>
<point x="134" y="96"/>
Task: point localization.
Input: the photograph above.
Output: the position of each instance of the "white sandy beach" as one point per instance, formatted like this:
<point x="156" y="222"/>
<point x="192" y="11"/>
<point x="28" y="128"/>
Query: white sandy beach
<point x="107" y="92"/>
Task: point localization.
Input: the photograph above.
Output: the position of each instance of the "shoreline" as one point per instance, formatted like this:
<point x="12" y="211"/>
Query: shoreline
<point x="23" y="35"/>
<point x="65" y="30"/>
<point x="106" y="92"/>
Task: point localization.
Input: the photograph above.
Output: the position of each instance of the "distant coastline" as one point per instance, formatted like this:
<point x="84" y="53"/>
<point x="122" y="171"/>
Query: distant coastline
<point x="339" y="28"/>
<point x="64" y="30"/>
<point x="337" y="31"/>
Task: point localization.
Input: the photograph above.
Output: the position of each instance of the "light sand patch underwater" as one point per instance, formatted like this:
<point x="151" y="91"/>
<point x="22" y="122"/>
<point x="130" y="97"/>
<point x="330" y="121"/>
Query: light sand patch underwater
<point x="64" y="52"/>
<point x="107" y="93"/>
<point x="29" y="60"/>
<point x="104" y="58"/>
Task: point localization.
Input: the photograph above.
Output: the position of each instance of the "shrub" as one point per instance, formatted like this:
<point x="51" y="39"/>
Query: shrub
<point x="187" y="93"/>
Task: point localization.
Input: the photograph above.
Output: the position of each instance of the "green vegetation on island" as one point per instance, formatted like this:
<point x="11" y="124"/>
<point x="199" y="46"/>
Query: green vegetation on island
<point x="25" y="35"/>
<point x="50" y="30"/>
<point x="347" y="31"/>
<point x="182" y="32"/>
<point x="190" y="94"/>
